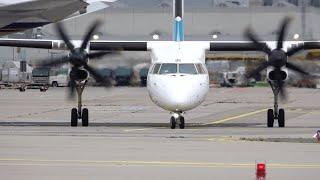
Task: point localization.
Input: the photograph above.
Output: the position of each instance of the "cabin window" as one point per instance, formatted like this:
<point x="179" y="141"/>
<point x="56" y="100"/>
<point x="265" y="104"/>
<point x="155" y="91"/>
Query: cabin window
<point x="168" y="68"/>
<point x="187" y="69"/>
<point x="156" y="68"/>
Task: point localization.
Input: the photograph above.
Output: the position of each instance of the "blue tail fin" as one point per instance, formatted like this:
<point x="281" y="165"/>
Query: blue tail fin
<point x="178" y="12"/>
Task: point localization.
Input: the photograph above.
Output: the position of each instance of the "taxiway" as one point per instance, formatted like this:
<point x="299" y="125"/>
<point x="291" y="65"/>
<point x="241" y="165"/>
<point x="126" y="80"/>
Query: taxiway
<point x="129" y="137"/>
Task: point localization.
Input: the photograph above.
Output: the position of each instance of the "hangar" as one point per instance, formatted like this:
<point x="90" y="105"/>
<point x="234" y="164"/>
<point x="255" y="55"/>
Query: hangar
<point x="204" y="20"/>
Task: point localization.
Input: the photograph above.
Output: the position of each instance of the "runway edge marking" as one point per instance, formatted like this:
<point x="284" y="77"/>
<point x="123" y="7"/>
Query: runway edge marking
<point x="141" y="129"/>
<point x="46" y="162"/>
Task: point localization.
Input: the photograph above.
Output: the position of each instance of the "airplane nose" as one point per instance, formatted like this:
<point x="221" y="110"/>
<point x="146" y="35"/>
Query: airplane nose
<point x="182" y="94"/>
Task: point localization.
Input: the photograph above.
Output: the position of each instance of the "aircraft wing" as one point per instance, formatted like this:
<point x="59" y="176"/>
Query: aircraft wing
<point x="214" y="46"/>
<point x="118" y="45"/>
<point x="144" y="45"/>
<point x="93" y="45"/>
<point x="21" y="15"/>
<point x="249" y="46"/>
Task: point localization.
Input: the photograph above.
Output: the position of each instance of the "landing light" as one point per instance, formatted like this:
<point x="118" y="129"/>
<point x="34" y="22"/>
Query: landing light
<point x="296" y="36"/>
<point x="214" y="36"/>
<point x="155" y="36"/>
<point x="175" y="115"/>
<point x="96" y="37"/>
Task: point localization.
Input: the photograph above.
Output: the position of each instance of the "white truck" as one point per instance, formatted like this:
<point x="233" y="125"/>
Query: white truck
<point x="59" y="78"/>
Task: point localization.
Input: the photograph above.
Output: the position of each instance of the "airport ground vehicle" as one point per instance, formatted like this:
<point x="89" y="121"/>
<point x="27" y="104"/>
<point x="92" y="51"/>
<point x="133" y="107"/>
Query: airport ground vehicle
<point x="59" y="77"/>
<point x="16" y="74"/>
<point x="143" y="76"/>
<point x="123" y="75"/>
<point x="236" y="78"/>
<point x="10" y="75"/>
<point x="40" y="79"/>
<point x="106" y="73"/>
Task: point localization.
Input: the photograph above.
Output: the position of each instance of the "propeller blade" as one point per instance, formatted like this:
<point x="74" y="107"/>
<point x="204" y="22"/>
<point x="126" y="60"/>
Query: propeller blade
<point x="89" y="34"/>
<point x="296" y="68"/>
<point x="282" y="32"/>
<point x="98" y="54"/>
<point x="97" y="76"/>
<point x="61" y="31"/>
<point x="295" y="50"/>
<point x="254" y="38"/>
<point x="54" y="62"/>
<point x="261" y="67"/>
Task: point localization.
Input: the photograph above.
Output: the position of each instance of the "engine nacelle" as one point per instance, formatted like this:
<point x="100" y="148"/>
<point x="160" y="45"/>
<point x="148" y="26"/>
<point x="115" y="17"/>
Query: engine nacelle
<point x="273" y="75"/>
<point x="79" y="74"/>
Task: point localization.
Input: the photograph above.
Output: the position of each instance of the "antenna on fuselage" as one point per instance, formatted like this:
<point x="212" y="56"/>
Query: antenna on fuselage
<point x="178" y="13"/>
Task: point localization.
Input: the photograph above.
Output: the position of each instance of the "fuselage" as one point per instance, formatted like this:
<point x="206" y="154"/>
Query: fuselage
<point x="178" y="80"/>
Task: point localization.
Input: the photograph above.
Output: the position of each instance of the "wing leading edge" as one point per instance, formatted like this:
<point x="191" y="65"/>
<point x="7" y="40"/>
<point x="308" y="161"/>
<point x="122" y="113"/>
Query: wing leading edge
<point x="144" y="45"/>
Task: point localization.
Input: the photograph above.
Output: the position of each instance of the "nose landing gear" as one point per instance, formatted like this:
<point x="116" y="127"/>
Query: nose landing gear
<point x="79" y="113"/>
<point x="275" y="113"/>
<point x="177" y="118"/>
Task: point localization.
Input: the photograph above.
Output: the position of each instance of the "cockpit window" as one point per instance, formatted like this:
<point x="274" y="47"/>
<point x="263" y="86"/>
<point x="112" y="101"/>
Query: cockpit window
<point x="187" y="69"/>
<point x="156" y="68"/>
<point x="168" y="68"/>
<point x="183" y="68"/>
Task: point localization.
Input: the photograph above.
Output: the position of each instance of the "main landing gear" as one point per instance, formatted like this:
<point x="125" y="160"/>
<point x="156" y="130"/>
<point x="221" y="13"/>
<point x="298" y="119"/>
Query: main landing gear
<point x="275" y="113"/>
<point x="80" y="113"/>
<point x="177" y="119"/>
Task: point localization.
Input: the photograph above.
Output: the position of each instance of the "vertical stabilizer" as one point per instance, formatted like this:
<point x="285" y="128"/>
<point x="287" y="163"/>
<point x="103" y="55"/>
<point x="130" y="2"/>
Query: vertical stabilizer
<point x="178" y="12"/>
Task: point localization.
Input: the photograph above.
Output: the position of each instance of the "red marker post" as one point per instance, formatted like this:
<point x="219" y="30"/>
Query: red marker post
<point x="261" y="171"/>
<point x="317" y="136"/>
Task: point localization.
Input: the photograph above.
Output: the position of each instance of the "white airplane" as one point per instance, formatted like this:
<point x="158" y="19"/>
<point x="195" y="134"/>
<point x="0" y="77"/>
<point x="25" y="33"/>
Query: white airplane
<point x="178" y="80"/>
<point x="20" y="15"/>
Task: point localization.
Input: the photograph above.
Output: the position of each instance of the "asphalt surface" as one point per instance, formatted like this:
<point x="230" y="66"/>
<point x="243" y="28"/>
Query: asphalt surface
<point x="129" y="137"/>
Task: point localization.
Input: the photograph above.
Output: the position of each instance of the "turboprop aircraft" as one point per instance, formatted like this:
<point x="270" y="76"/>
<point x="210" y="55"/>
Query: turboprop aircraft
<point x="178" y="80"/>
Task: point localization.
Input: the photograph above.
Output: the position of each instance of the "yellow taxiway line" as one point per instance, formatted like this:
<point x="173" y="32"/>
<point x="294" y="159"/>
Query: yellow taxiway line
<point x="236" y="117"/>
<point x="133" y="130"/>
<point x="47" y="162"/>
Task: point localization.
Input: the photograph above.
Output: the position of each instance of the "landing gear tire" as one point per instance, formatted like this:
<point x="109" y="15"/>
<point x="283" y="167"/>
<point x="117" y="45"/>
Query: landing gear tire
<point x="22" y="89"/>
<point x="281" y="118"/>
<point x="181" y="125"/>
<point x="270" y="119"/>
<point x="173" y="123"/>
<point x="55" y="84"/>
<point x="74" y="117"/>
<point x="43" y="89"/>
<point x="85" y="117"/>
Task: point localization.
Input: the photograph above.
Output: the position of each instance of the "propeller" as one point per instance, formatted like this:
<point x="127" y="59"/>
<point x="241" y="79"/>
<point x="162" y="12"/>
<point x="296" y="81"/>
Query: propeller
<point x="277" y="58"/>
<point x="78" y="58"/>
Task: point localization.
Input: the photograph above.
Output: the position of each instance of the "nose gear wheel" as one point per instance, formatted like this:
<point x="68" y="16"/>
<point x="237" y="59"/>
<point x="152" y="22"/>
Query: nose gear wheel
<point x="174" y="121"/>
